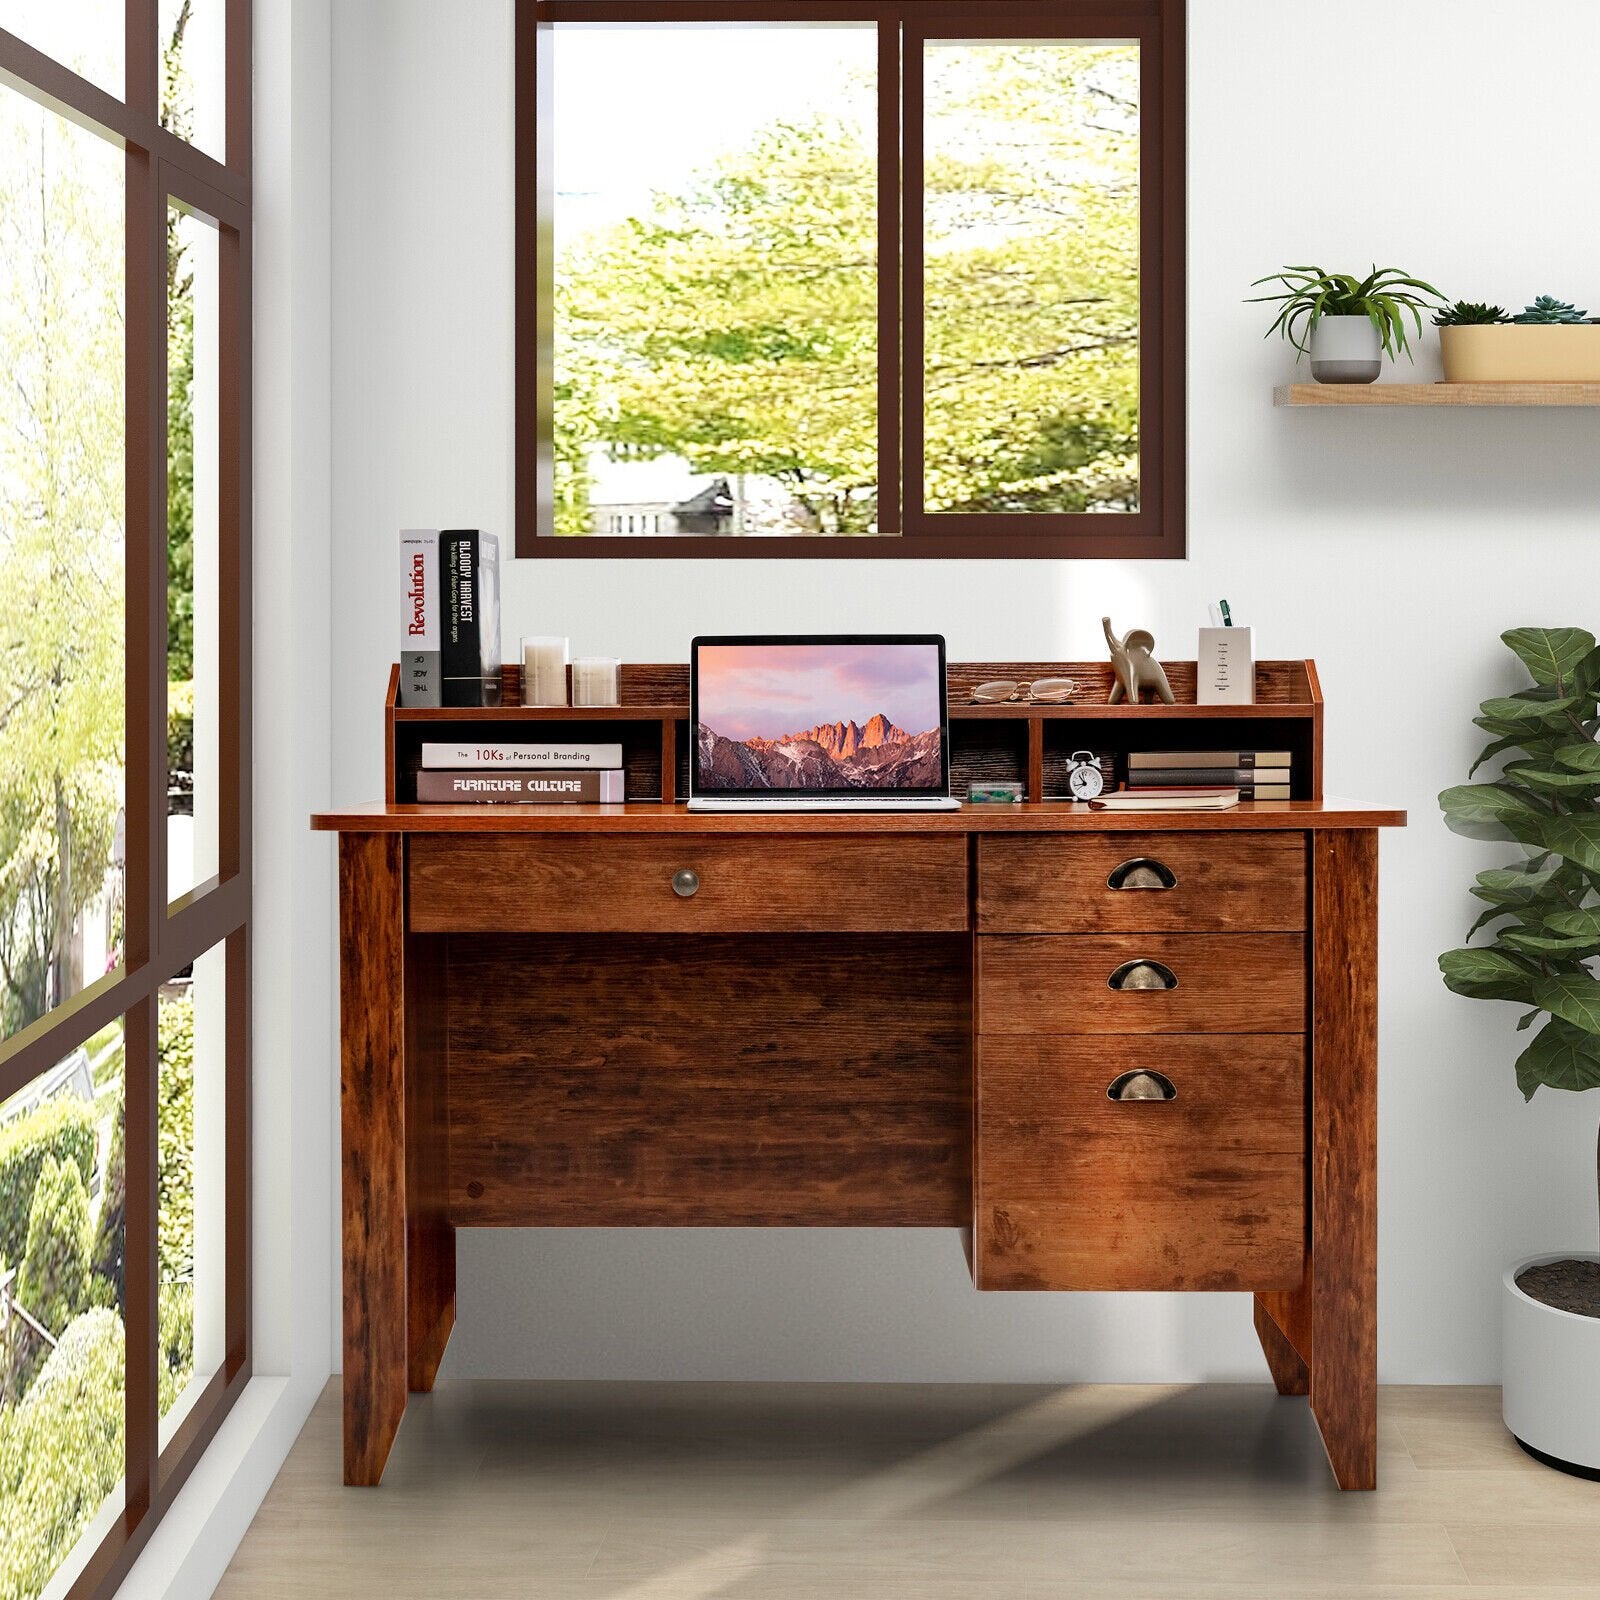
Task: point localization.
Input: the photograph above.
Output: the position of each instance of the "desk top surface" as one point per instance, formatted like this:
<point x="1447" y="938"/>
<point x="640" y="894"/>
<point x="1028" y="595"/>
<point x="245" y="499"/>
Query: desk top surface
<point x="651" y="817"/>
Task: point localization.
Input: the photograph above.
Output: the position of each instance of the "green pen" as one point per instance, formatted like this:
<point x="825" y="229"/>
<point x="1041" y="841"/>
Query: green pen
<point x="1227" y="615"/>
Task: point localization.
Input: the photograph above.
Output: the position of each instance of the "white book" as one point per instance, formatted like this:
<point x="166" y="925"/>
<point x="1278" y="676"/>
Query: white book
<point x="457" y="755"/>
<point x="1167" y="800"/>
<point x="421" y="665"/>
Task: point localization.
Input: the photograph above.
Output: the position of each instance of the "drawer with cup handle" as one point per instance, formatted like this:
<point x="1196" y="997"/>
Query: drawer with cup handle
<point x="1142" y="882"/>
<point x="1142" y="983"/>
<point x="1131" y="1162"/>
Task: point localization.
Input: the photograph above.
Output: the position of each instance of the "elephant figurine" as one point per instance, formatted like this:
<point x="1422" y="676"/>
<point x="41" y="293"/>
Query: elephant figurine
<point x="1136" y="666"/>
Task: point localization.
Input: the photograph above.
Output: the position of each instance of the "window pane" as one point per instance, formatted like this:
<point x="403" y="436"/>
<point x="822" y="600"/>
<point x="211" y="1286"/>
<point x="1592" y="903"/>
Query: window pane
<point x="192" y="1056"/>
<point x="86" y="35"/>
<point x="192" y="75"/>
<point x="61" y="559"/>
<point x="193" y="635"/>
<point x="62" y="1297"/>
<point x="1031" y="281"/>
<point x="715" y="237"/>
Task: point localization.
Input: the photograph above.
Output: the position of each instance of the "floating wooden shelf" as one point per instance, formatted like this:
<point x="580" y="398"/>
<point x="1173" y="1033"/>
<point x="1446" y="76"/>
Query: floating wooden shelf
<point x="1437" y="394"/>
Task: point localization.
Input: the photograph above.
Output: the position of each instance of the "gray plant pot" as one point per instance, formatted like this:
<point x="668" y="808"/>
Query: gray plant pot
<point x="1345" y="350"/>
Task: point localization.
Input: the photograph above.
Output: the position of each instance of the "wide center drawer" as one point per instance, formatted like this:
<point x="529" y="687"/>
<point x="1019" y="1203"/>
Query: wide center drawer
<point x="1134" y="882"/>
<point x="732" y="884"/>
<point x="1219" y="983"/>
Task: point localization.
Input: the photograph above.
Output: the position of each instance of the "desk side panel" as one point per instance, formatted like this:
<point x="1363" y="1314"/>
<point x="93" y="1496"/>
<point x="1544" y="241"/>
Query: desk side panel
<point x="765" y="1080"/>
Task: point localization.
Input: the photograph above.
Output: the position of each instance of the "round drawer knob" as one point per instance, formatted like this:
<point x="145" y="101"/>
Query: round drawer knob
<point x="685" y="881"/>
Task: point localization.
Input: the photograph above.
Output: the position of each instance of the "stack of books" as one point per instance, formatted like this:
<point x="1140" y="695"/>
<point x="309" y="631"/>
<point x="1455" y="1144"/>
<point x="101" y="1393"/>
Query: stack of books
<point x="502" y="774"/>
<point x="1256" y="774"/>
<point x="449" y="617"/>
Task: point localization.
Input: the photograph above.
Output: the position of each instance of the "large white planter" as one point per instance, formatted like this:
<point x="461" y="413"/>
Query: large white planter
<point x="1345" y="350"/>
<point x="1550" y="1368"/>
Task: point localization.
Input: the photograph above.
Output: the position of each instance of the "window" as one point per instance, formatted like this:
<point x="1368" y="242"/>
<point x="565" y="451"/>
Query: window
<point x="875" y="277"/>
<point x="124" y="769"/>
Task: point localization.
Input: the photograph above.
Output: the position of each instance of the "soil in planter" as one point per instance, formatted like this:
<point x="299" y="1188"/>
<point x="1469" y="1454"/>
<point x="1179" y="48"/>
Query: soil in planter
<point x="1566" y="1285"/>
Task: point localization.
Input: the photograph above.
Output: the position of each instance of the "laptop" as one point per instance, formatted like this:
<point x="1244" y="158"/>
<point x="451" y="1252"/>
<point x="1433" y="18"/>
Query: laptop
<point x="820" y="723"/>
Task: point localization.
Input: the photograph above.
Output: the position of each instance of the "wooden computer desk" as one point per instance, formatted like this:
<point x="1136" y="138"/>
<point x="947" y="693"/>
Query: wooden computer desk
<point x="872" y="1020"/>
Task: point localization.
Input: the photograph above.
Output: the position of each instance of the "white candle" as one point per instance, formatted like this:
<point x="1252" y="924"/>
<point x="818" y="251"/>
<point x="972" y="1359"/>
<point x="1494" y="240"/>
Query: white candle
<point x="596" y="680"/>
<point x="544" y="671"/>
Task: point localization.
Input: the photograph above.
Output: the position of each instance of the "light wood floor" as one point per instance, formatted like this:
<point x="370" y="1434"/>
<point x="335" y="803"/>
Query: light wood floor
<point x="738" y="1491"/>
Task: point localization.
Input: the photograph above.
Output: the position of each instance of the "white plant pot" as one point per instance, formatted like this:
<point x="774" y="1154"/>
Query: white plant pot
<point x="1345" y="350"/>
<point x="1550" y="1369"/>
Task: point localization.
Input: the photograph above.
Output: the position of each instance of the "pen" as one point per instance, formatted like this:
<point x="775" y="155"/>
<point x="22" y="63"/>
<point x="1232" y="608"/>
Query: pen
<point x="1227" y="615"/>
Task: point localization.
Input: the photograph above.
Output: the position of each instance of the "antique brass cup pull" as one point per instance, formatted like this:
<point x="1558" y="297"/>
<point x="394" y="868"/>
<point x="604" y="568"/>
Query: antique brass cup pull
<point x="1143" y="975"/>
<point x="1142" y="872"/>
<point x="1142" y="1086"/>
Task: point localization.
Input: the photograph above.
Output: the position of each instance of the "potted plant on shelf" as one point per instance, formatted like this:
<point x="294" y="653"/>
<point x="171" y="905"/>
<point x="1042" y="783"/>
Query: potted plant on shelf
<point x="1545" y="911"/>
<point x="1346" y="324"/>
<point x="1547" y="342"/>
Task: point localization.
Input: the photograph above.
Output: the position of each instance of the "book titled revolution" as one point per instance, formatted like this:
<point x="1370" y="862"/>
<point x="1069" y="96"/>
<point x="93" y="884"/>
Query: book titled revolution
<point x="447" y="754"/>
<point x="511" y="788"/>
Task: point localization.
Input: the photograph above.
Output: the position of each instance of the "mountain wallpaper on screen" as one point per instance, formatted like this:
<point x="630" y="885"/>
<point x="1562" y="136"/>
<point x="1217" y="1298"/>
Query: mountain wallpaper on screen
<point x="832" y="755"/>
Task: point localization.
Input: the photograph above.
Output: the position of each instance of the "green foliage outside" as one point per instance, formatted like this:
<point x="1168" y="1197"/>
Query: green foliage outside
<point x="53" y="1280"/>
<point x="61" y="1452"/>
<point x="735" y="324"/>
<point x="175" y="1125"/>
<point x="110" y="1260"/>
<point x="59" y="1131"/>
<point x="61" y="545"/>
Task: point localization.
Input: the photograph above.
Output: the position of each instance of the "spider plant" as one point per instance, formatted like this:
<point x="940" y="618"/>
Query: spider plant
<point x="1384" y="297"/>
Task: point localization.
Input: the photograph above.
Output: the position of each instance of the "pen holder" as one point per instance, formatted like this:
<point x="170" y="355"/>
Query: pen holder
<point x="1225" y="667"/>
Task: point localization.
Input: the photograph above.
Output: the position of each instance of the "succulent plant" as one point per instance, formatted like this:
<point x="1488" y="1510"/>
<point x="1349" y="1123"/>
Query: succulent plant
<point x="1470" y="314"/>
<point x="1548" y="309"/>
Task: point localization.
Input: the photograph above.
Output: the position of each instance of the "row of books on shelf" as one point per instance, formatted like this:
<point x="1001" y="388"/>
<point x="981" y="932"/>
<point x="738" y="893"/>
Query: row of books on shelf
<point x="449" y="617"/>
<point x="500" y="774"/>
<point x="1187" y="780"/>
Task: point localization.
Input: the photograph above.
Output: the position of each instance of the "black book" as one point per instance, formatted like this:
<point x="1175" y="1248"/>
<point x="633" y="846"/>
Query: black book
<point x="469" y="622"/>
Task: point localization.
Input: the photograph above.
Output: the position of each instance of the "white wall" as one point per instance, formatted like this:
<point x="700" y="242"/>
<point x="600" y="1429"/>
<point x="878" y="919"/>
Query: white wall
<point x="1392" y="547"/>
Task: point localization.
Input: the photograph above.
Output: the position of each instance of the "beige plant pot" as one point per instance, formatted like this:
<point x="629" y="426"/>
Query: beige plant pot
<point x="1522" y="353"/>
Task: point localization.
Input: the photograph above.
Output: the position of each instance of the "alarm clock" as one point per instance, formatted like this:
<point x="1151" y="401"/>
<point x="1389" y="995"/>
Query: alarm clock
<point x="1085" y="776"/>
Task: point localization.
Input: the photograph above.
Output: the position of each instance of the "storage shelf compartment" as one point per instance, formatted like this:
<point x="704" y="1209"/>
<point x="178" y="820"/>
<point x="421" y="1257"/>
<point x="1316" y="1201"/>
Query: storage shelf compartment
<point x="1015" y="742"/>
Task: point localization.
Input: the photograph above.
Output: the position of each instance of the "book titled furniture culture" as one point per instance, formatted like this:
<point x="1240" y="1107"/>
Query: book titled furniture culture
<point x="502" y="788"/>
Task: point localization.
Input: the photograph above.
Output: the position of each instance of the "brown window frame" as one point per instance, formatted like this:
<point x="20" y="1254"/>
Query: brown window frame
<point x="162" y="939"/>
<point x="1155" y="530"/>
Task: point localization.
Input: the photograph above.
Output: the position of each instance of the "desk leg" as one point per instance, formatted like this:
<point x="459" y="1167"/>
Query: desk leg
<point x="430" y="1235"/>
<point x="1344" y="1154"/>
<point x="372" y="1117"/>
<point x="1288" y="1367"/>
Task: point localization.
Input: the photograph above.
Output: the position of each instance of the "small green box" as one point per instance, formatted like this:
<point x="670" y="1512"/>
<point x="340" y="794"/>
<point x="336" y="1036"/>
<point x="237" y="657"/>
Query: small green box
<point x="994" y="794"/>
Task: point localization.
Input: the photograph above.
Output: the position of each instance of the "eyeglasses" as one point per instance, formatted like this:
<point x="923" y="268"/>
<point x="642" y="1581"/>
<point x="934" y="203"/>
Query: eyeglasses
<point x="1042" y="691"/>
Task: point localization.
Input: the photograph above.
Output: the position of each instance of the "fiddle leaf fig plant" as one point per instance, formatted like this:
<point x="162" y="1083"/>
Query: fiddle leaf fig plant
<point x="1543" y="909"/>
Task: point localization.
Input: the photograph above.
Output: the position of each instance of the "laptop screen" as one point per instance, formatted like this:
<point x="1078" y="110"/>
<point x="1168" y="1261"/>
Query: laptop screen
<point x="820" y="716"/>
